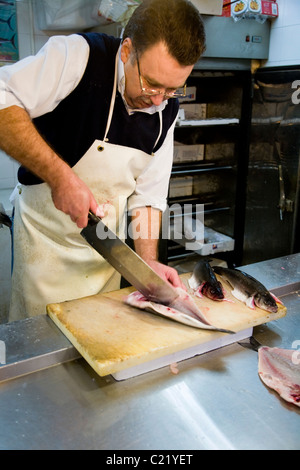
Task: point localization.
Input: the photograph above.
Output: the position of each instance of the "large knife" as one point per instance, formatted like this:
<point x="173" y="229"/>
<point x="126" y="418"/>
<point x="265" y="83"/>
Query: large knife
<point x="127" y="262"/>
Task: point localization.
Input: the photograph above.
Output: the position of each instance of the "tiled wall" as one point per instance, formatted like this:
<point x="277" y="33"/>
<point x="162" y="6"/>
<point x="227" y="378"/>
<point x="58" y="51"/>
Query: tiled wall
<point x="285" y="35"/>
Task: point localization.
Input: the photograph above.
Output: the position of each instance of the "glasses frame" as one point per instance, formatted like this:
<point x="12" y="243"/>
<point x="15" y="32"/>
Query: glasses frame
<point x="153" y="92"/>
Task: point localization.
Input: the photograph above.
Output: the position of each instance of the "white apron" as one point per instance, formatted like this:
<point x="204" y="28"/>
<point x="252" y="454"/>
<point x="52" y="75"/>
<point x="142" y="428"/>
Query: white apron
<point x="52" y="262"/>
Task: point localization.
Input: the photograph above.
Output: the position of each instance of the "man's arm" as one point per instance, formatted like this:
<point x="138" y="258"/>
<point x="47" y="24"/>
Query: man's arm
<point x="145" y="230"/>
<point x="20" y="139"/>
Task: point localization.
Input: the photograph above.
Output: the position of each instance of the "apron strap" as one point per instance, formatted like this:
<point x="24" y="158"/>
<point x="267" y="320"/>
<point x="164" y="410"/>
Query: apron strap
<point x="112" y="103"/>
<point x="160" y="130"/>
<point x="113" y="97"/>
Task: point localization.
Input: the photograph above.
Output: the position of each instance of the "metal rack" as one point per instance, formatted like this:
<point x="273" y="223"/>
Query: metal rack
<point x="218" y="177"/>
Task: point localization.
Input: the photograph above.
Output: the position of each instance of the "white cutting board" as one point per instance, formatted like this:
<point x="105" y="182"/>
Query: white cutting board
<point x="124" y="341"/>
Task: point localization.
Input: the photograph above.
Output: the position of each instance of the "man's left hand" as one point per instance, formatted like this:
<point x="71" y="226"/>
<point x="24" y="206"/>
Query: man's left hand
<point x="167" y="273"/>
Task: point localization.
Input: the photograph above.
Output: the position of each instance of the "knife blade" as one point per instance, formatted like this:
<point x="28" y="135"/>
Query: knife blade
<point x="128" y="263"/>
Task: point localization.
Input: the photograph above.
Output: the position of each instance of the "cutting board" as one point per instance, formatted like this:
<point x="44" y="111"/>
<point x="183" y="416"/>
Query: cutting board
<point x="117" y="339"/>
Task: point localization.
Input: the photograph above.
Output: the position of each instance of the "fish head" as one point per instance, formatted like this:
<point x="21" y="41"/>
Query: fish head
<point x="213" y="291"/>
<point x="266" y="302"/>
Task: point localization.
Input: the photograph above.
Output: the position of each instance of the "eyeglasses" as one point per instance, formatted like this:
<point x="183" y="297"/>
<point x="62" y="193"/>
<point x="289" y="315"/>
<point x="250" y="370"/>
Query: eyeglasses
<point x="153" y="92"/>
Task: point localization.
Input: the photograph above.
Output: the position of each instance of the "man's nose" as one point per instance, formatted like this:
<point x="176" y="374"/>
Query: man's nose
<point x="157" y="99"/>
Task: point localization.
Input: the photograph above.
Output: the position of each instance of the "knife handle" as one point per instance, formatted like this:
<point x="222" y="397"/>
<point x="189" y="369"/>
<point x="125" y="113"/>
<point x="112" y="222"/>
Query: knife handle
<point x="93" y="219"/>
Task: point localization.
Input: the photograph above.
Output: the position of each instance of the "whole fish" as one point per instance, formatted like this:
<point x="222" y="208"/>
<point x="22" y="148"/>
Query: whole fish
<point x="203" y="281"/>
<point x="248" y="290"/>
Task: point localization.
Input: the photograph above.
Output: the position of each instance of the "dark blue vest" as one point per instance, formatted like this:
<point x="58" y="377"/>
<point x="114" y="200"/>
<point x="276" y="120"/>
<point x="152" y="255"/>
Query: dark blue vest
<point x="72" y="127"/>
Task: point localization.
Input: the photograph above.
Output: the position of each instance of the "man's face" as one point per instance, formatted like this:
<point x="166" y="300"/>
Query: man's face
<point x="159" y="71"/>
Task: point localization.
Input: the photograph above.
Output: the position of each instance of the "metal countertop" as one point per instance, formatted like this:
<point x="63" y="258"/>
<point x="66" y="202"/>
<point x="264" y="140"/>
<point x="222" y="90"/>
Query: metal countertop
<point x="216" y="401"/>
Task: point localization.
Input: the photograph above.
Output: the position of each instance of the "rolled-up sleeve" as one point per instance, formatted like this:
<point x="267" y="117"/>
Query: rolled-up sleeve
<point x="38" y="83"/>
<point x="153" y="183"/>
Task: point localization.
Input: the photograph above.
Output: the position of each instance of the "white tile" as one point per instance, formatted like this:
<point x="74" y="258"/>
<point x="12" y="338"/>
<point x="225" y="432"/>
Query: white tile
<point x="284" y="46"/>
<point x="290" y="38"/>
<point x="280" y="21"/>
<point x="7" y="183"/>
<point x="5" y="195"/>
<point x="39" y="41"/>
<point x="24" y="17"/>
<point x="25" y="45"/>
<point x="291" y="12"/>
<point x="6" y="166"/>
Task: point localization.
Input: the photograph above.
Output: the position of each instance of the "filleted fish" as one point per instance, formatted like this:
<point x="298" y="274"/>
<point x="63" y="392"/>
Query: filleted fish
<point x="183" y="310"/>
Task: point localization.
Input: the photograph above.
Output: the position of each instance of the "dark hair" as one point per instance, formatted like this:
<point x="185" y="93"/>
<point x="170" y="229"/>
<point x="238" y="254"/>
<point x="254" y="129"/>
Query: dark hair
<point x="177" y="23"/>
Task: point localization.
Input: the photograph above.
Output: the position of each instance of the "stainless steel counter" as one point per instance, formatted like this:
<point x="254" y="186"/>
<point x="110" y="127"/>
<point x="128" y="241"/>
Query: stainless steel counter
<point x="216" y="401"/>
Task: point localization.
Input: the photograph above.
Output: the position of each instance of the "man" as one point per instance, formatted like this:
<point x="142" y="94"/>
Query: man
<point x="91" y="120"/>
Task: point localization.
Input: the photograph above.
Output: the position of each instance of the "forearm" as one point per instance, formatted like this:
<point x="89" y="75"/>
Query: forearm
<point x="20" y="139"/>
<point x="146" y="223"/>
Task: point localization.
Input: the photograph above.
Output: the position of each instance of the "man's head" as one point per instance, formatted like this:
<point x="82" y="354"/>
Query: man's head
<point x="176" y="23"/>
<point x="161" y="43"/>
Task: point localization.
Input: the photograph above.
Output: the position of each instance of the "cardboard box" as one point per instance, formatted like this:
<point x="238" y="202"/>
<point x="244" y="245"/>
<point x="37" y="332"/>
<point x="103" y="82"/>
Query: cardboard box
<point x="188" y="153"/>
<point x="194" y="110"/>
<point x="269" y="8"/>
<point x="226" y="9"/>
<point x="182" y="186"/>
<point x="209" y="7"/>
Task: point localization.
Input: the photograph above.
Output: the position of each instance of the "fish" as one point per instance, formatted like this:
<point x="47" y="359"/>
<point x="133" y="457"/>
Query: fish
<point x="248" y="290"/>
<point x="183" y="310"/>
<point x="204" y="281"/>
<point x="279" y="370"/>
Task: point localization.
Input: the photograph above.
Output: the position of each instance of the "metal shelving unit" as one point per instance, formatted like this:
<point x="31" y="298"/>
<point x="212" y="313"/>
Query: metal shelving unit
<point x="215" y="177"/>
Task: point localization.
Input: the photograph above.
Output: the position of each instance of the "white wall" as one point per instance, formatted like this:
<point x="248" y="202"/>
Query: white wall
<point x="285" y="35"/>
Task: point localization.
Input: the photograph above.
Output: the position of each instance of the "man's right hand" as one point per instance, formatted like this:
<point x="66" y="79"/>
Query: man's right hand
<point x="20" y="139"/>
<point x="74" y="198"/>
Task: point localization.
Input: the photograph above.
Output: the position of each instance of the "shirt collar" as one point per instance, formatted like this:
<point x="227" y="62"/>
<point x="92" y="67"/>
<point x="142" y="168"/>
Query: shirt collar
<point x="121" y="89"/>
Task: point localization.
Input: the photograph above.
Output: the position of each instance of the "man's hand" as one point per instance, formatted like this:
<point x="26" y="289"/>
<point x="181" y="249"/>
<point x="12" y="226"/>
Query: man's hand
<point x="75" y="199"/>
<point x="167" y="273"/>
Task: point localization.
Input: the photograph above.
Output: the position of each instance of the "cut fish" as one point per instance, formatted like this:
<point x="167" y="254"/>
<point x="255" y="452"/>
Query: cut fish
<point x="279" y="369"/>
<point x="183" y="310"/>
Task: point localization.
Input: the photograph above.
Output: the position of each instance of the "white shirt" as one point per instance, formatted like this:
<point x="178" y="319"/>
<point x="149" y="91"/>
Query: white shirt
<point x="39" y="83"/>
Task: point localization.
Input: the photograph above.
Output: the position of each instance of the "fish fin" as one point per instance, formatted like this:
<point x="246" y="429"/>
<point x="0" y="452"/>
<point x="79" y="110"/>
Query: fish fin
<point x="198" y="292"/>
<point x="276" y="299"/>
<point x="193" y="282"/>
<point x="239" y="295"/>
<point x="250" y="303"/>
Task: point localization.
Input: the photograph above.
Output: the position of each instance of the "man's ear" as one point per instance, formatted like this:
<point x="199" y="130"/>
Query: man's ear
<point x="126" y="50"/>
